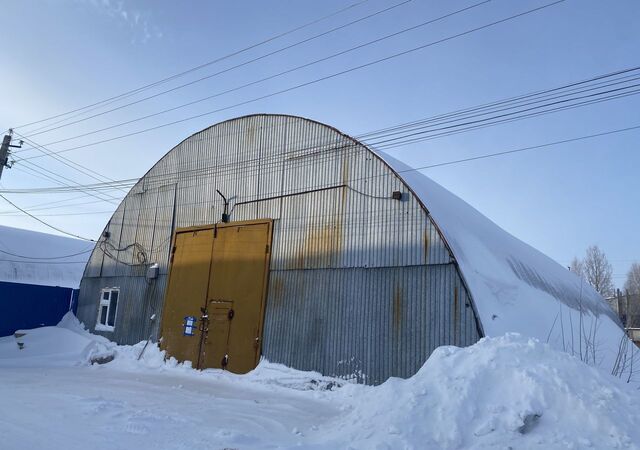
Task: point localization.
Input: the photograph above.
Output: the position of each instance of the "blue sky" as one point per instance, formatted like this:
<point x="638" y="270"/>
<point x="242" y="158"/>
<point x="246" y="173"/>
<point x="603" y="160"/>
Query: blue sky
<point x="64" y="54"/>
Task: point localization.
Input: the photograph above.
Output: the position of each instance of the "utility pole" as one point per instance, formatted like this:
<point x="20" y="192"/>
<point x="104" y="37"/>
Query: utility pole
<point x="5" y="151"/>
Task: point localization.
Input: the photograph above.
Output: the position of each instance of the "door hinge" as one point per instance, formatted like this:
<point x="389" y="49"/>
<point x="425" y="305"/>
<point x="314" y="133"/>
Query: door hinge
<point x="266" y="248"/>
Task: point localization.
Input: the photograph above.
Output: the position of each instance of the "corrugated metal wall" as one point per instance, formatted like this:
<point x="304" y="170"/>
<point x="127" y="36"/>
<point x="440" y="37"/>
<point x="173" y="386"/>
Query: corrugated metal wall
<point x="371" y="323"/>
<point x="360" y="283"/>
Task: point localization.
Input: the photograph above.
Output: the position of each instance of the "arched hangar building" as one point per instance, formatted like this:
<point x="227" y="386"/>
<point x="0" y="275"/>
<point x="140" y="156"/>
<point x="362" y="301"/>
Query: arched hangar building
<point x="281" y="237"/>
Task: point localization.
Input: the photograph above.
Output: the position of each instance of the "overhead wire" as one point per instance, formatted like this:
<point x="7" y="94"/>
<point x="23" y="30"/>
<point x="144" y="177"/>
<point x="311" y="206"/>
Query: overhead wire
<point x="402" y="143"/>
<point x="509" y="152"/>
<point x="262" y="164"/>
<point x="59" y="230"/>
<point x="68" y="183"/>
<point x="317" y="80"/>
<point x="105" y="197"/>
<point x="46" y="257"/>
<point x="66" y="161"/>
<point x="427" y="130"/>
<point x="54" y="205"/>
<point x="42" y="262"/>
<point x="201" y="66"/>
<point x="143" y="256"/>
<point x="229" y="69"/>
<point x="573" y="87"/>
<point x="44" y="173"/>
<point x="469" y="159"/>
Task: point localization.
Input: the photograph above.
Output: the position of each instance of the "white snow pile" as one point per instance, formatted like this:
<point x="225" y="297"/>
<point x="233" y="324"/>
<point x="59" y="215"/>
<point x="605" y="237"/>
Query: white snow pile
<point x="515" y="287"/>
<point x="67" y="344"/>
<point x="503" y="392"/>
<point x="39" y="258"/>
<point x="507" y="392"/>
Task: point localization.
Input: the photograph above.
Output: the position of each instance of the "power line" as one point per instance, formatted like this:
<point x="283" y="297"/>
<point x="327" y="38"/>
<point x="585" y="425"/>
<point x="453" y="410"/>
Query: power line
<point x="85" y="213"/>
<point x="31" y="172"/>
<point x="449" y="115"/>
<point x="46" y="258"/>
<point x="229" y="69"/>
<point x="596" y="81"/>
<point x="42" y="221"/>
<point x="262" y="80"/>
<point x="380" y="144"/>
<point x="317" y="80"/>
<point x="392" y="143"/>
<point x="43" y="262"/>
<point x="499" y="154"/>
<point x="66" y="161"/>
<point x="193" y="69"/>
<point x="426" y="131"/>
<point x="76" y="166"/>
<point x="39" y="207"/>
<point x="65" y="185"/>
<point x="523" y="149"/>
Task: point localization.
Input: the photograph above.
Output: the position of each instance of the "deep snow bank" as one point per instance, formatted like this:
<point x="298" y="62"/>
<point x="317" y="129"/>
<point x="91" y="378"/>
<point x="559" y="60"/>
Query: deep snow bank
<point x="67" y="344"/>
<point x="505" y="391"/>
<point x="502" y="392"/>
<point x="26" y="257"/>
<point x="515" y="287"/>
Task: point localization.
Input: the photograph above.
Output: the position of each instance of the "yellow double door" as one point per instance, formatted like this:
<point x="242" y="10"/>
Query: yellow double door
<point x="214" y="304"/>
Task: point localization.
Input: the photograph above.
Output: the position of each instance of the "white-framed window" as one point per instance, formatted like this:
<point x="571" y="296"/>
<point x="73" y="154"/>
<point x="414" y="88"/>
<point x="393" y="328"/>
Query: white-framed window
<point x="107" y="309"/>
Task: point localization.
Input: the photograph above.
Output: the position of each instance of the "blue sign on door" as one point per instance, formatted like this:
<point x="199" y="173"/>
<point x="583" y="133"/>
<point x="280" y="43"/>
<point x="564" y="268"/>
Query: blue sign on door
<point x="189" y="326"/>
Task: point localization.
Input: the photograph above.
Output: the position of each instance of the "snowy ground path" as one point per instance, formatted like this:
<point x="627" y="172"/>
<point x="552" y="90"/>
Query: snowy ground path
<point x="505" y="392"/>
<point x="98" y="407"/>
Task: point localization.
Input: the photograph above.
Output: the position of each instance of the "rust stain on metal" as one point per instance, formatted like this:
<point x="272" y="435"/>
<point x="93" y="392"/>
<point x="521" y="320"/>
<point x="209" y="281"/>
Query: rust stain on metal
<point x="322" y="244"/>
<point x="425" y="243"/>
<point x="251" y="133"/>
<point x="277" y="289"/>
<point x="456" y="308"/>
<point x="397" y="308"/>
<point x="338" y="229"/>
<point x="299" y="259"/>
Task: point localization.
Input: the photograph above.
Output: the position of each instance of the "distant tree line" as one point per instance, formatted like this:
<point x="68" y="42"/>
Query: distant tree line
<point x="597" y="271"/>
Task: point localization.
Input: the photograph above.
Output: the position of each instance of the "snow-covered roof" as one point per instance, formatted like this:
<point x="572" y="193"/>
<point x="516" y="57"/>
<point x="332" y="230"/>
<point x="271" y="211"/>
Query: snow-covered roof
<point x="39" y="258"/>
<point x="515" y="287"/>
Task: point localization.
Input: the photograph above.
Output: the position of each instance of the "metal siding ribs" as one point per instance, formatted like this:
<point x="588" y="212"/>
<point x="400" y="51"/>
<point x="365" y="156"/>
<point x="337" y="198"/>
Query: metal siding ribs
<point x="361" y="285"/>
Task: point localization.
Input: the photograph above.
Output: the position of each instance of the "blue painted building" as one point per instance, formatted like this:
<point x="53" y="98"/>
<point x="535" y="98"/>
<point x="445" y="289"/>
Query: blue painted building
<point x="39" y="278"/>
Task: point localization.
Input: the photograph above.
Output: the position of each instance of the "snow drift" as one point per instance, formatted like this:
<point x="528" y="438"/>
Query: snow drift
<point x="28" y="257"/>
<point x="501" y="392"/>
<point x="516" y="288"/>
<point x="506" y="392"/>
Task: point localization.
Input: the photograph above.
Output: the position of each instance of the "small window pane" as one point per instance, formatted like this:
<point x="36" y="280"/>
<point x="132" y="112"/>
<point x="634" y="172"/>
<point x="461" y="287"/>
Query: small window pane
<point x="103" y="315"/>
<point x="112" y="308"/>
<point x="105" y="295"/>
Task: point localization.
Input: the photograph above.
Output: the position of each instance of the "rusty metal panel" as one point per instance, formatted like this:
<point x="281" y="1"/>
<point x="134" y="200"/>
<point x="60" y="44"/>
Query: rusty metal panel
<point x="367" y="324"/>
<point x="379" y="260"/>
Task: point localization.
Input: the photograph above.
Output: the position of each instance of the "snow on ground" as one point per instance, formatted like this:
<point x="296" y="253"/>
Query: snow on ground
<point x="515" y="287"/>
<point x="26" y="257"/>
<point x="503" y="392"/>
